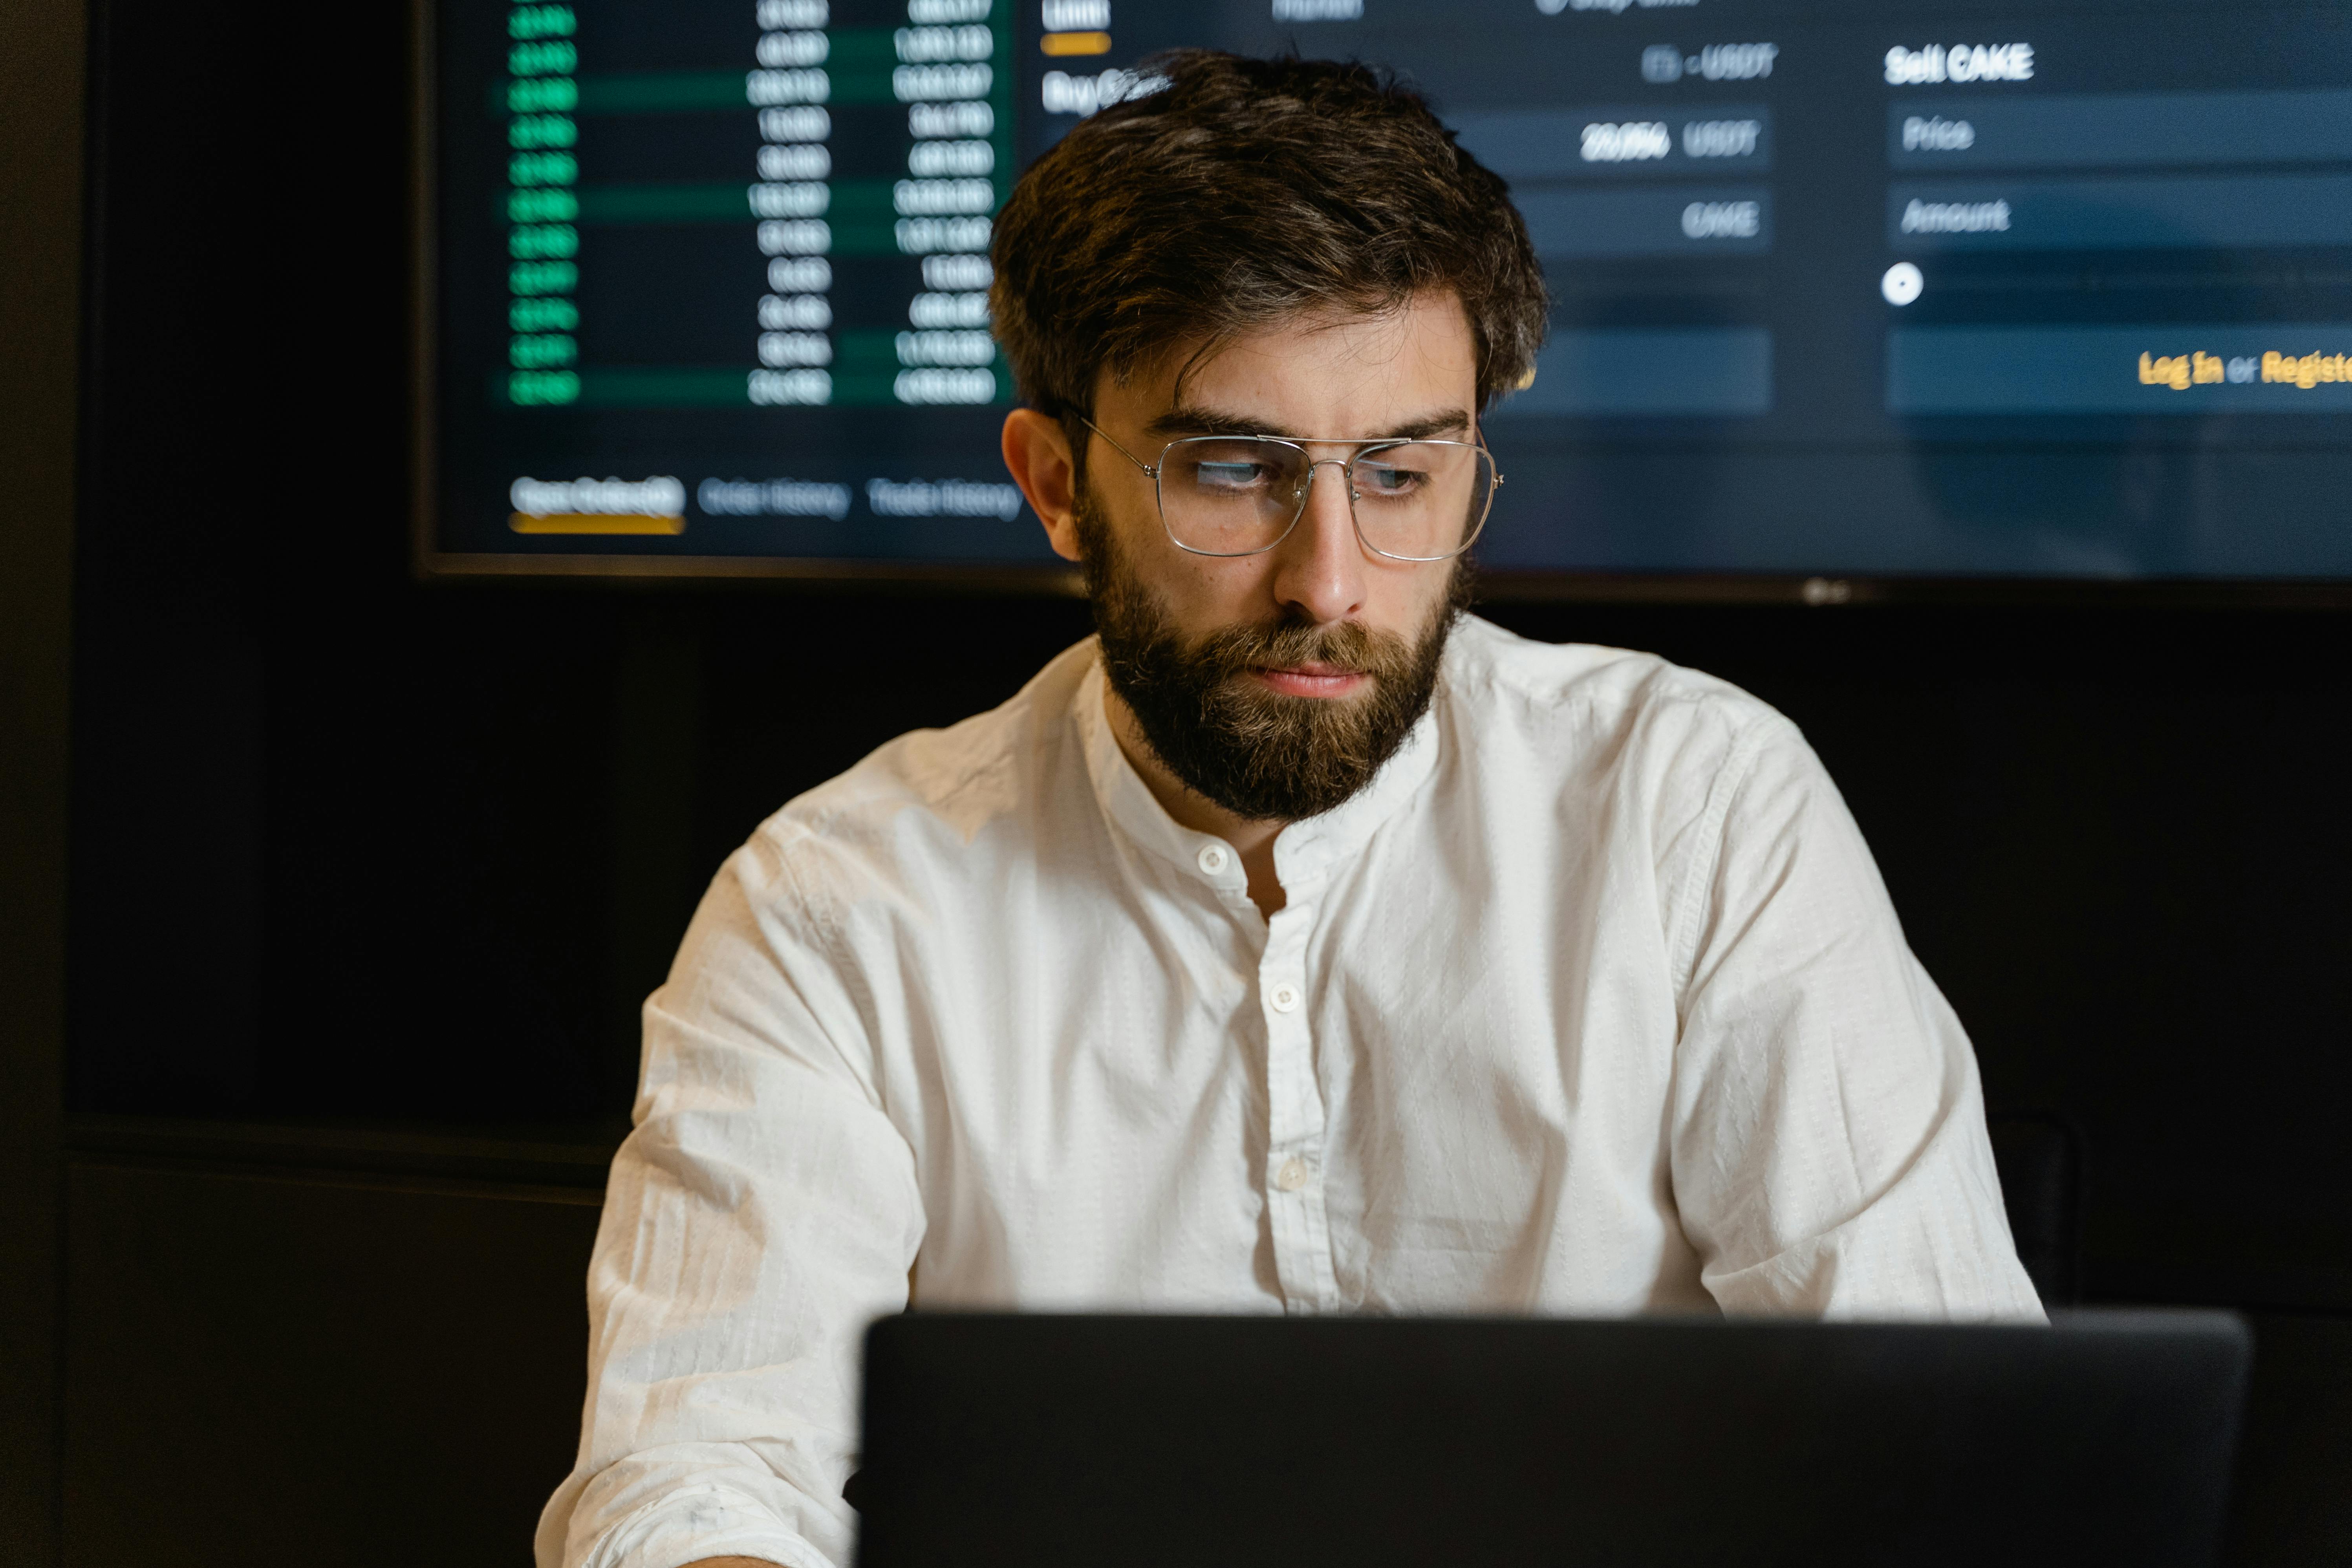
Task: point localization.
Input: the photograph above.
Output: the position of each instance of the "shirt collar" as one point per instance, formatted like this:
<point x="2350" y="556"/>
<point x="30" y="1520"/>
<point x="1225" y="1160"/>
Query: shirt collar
<point x="1305" y="852"/>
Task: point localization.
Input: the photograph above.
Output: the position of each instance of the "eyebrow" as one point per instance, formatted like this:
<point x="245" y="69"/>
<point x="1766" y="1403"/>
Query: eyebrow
<point x="1189" y="419"/>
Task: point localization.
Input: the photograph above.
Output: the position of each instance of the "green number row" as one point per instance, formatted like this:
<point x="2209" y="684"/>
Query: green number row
<point x="531" y="278"/>
<point x="543" y="203"/>
<point x="543" y="386"/>
<point x="542" y="22"/>
<point x="560" y="58"/>
<point x="531" y="242"/>
<point x="540" y="350"/>
<point x="542" y="169"/>
<point x="542" y="315"/>
<point x="543" y="131"/>
<point x="538" y="94"/>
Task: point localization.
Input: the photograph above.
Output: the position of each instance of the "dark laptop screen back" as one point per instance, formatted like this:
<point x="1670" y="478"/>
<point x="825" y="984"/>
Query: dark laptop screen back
<point x="1057" y="1441"/>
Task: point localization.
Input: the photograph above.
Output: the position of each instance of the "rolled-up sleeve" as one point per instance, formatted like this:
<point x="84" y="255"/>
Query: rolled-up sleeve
<point x="1828" y="1144"/>
<point x="762" y="1212"/>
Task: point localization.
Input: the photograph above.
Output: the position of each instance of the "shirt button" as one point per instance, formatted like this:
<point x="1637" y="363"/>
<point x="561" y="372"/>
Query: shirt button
<point x="1292" y="1176"/>
<point x="1284" y="998"/>
<point x="1213" y="859"/>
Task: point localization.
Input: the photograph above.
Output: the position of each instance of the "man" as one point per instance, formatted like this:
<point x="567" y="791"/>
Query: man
<point x="1296" y="945"/>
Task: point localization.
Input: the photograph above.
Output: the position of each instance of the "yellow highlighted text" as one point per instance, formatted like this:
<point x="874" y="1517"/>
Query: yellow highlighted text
<point x="593" y="522"/>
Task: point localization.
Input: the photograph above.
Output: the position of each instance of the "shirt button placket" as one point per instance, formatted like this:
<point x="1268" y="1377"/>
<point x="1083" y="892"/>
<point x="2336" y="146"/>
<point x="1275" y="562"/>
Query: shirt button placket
<point x="1293" y="1192"/>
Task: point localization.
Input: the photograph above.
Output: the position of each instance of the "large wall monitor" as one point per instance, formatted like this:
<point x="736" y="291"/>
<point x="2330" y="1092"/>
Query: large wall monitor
<point x="1846" y="289"/>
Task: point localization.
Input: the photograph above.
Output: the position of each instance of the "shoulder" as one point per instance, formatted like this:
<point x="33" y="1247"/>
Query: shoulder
<point x="930" y="796"/>
<point x="1675" y="767"/>
<point x="1582" y="705"/>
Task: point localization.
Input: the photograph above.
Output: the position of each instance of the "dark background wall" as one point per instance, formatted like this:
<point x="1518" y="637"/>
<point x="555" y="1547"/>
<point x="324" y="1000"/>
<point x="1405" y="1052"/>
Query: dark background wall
<point x="40" y="222"/>
<point x="368" y="876"/>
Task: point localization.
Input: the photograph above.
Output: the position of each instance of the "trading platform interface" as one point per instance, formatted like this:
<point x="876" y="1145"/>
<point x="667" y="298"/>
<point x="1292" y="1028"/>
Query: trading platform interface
<point x="1894" y="290"/>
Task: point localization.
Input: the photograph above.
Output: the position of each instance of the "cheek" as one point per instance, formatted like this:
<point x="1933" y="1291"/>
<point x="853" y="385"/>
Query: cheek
<point x="1404" y="600"/>
<point x="1205" y="594"/>
<point x="1197" y="594"/>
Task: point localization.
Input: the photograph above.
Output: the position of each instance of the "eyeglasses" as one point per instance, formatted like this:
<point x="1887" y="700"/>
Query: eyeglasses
<point x="1242" y="494"/>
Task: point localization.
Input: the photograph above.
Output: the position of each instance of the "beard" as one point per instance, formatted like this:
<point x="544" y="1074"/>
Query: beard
<point x="1263" y="755"/>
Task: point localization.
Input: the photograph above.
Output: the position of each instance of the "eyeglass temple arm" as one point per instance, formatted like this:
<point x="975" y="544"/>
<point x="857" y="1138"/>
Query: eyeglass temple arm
<point x="1149" y="469"/>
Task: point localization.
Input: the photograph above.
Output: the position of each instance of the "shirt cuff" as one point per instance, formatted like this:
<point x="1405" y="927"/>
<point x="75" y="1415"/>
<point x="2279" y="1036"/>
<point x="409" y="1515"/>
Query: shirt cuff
<point x="701" y="1522"/>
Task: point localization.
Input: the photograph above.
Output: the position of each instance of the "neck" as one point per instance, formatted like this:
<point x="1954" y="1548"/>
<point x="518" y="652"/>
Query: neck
<point x="1253" y="840"/>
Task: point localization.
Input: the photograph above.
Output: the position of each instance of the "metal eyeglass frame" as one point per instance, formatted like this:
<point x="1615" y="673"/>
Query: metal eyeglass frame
<point x="1299" y="444"/>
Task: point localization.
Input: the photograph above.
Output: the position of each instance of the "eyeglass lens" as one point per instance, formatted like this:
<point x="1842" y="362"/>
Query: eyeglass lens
<point x="1416" y="501"/>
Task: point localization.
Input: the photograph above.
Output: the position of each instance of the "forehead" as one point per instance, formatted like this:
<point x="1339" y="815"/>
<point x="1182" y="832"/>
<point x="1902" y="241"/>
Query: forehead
<point x="1418" y="354"/>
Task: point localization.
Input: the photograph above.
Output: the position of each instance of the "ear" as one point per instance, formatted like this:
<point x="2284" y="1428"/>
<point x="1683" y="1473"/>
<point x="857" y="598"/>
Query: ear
<point x="1037" y="451"/>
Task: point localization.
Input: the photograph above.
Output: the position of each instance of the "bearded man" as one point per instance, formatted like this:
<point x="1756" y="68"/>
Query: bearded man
<point x="1298" y="944"/>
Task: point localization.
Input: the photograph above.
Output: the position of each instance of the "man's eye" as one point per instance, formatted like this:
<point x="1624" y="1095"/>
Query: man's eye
<point x="1229" y="476"/>
<point x="1386" y="479"/>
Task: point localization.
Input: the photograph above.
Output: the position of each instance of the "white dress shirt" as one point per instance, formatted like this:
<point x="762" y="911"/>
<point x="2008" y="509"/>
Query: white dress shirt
<point x="1592" y="1002"/>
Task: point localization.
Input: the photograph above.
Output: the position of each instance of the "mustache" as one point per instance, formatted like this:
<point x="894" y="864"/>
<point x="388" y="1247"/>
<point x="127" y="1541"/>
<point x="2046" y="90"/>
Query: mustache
<point x="1344" y="646"/>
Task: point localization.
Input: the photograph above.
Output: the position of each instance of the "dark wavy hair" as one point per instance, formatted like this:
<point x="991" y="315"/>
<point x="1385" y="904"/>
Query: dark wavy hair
<point x="1238" y="193"/>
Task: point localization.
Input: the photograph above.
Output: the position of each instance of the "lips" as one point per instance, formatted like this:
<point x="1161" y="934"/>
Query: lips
<point x="1312" y="679"/>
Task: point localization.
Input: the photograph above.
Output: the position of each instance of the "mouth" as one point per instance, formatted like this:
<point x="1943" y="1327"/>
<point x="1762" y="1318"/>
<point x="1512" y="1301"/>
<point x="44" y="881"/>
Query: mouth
<point x="1312" y="679"/>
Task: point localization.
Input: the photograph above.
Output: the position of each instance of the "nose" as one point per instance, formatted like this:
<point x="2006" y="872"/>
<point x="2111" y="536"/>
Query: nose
<point x="1319" y="568"/>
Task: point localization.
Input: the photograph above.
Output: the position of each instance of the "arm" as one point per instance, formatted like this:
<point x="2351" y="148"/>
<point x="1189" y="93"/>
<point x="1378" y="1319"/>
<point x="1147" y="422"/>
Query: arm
<point x="1828" y="1151"/>
<point x="761" y="1213"/>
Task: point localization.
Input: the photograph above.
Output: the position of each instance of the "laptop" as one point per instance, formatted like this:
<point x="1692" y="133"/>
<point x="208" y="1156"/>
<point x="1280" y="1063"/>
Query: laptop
<point x="1056" y="1442"/>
